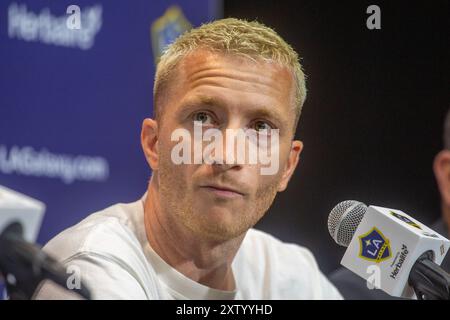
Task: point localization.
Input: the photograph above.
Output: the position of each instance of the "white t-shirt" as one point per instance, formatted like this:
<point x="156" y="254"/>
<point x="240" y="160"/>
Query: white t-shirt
<point x="109" y="251"/>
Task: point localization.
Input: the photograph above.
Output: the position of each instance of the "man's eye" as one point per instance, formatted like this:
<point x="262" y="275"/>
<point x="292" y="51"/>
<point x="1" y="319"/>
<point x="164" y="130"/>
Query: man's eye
<point x="261" y="125"/>
<point x="203" y="117"/>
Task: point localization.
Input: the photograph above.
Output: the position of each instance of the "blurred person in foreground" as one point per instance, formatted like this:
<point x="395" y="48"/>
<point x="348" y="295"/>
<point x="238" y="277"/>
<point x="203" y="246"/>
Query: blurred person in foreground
<point x="351" y="286"/>
<point x="191" y="235"/>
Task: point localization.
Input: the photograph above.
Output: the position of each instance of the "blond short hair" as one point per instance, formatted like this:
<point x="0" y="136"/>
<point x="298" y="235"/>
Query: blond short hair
<point x="234" y="36"/>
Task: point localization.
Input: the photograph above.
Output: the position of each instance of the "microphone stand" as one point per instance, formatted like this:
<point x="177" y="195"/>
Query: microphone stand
<point x="24" y="266"/>
<point x="429" y="280"/>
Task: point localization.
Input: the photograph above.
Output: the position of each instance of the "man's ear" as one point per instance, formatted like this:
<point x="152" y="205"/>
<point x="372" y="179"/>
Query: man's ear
<point x="294" y="155"/>
<point x="149" y="142"/>
<point x="441" y="168"/>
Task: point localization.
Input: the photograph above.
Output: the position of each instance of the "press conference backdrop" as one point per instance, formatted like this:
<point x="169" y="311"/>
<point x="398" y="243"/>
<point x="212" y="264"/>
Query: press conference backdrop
<point x="72" y="103"/>
<point x="72" y="100"/>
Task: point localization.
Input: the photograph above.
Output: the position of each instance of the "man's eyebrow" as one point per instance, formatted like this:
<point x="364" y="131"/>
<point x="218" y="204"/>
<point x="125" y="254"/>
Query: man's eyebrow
<point x="201" y="101"/>
<point x="269" y="113"/>
<point x="208" y="100"/>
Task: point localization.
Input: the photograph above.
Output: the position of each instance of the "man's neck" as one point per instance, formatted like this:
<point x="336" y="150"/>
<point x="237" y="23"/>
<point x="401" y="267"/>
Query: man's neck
<point x="205" y="261"/>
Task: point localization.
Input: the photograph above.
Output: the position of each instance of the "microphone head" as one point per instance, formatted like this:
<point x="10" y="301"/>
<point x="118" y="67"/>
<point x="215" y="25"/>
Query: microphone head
<point x="344" y="220"/>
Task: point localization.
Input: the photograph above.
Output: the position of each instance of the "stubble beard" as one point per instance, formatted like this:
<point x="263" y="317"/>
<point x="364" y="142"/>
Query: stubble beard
<point x="178" y="203"/>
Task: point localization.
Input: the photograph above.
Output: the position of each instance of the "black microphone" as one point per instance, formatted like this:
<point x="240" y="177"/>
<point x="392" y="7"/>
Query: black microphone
<point x="24" y="265"/>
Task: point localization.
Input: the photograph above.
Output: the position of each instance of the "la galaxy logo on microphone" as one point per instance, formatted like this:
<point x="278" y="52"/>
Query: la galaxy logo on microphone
<point x="374" y="246"/>
<point x="406" y="220"/>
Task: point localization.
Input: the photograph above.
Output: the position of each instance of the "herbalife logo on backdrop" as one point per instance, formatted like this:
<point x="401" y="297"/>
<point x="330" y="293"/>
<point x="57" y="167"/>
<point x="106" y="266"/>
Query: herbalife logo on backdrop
<point x="77" y="28"/>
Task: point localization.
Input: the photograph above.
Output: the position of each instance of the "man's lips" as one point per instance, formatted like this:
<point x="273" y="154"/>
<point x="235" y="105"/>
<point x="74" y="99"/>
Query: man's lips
<point x="225" y="191"/>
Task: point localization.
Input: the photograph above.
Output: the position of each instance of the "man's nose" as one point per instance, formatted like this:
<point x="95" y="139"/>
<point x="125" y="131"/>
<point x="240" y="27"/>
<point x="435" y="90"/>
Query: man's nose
<point x="228" y="157"/>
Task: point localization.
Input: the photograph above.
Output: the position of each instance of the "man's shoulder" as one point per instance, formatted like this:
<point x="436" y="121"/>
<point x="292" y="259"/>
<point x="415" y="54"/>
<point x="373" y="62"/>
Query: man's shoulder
<point x="280" y="270"/>
<point x="107" y="248"/>
<point x="267" y="244"/>
<point x="110" y="231"/>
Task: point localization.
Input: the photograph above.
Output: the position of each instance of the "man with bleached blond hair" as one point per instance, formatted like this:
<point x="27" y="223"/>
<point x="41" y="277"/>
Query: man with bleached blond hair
<point x="191" y="235"/>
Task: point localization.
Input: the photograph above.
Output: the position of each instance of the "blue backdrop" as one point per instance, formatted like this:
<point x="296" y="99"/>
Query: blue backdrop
<point x="72" y="100"/>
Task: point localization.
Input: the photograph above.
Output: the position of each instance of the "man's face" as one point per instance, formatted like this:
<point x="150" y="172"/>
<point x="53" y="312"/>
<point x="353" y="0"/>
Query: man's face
<point x="222" y="201"/>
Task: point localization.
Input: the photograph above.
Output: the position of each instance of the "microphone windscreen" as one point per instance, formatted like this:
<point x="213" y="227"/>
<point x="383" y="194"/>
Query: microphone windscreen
<point x="344" y="219"/>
